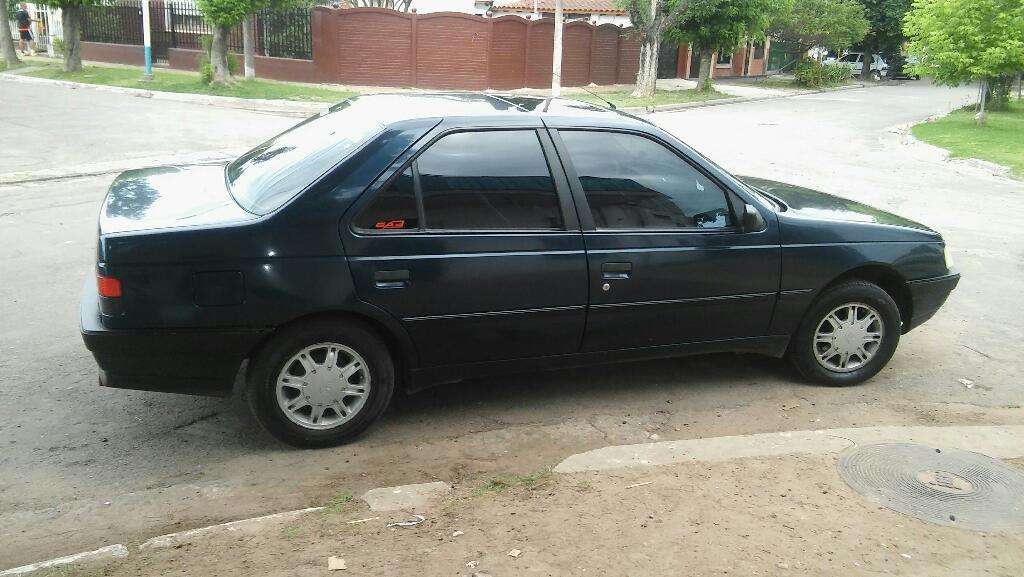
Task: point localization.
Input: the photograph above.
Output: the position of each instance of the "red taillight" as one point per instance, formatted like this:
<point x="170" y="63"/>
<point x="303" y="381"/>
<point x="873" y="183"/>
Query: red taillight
<point x="108" y="286"/>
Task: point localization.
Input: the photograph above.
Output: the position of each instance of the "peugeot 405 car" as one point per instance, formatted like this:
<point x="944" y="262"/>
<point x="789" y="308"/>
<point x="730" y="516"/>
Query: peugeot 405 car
<point x="399" y="241"/>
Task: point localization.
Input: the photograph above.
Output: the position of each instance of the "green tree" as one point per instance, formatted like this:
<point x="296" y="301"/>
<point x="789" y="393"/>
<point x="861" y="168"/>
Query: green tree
<point x="71" y="24"/>
<point x="225" y="14"/>
<point x="834" y="24"/>
<point x="885" y="33"/>
<point x="650" y="19"/>
<point x="722" y="25"/>
<point x="958" y="41"/>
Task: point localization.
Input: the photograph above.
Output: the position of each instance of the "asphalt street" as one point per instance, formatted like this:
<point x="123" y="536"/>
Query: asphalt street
<point x="83" y="466"/>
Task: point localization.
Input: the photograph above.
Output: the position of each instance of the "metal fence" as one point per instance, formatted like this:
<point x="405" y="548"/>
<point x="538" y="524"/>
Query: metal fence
<point x="278" y="33"/>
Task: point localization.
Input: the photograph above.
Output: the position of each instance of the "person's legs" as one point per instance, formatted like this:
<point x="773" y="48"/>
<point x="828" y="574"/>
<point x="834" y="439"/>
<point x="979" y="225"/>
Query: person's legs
<point x="25" y="37"/>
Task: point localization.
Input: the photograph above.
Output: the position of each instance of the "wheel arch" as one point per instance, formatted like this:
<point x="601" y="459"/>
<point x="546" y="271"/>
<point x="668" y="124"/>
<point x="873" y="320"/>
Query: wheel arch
<point x="398" y="343"/>
<point x="887" y="278"/>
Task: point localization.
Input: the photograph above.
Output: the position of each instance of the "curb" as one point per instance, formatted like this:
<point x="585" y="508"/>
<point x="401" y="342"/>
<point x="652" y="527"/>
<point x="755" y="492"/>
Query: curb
<point x="999" y="441"/>
<point x="643" y="110"/>
<point x="111" y="551"/>
<point x="181" y="537"/>
<point x="284" y="107"/>
<point x="903" y="135"/>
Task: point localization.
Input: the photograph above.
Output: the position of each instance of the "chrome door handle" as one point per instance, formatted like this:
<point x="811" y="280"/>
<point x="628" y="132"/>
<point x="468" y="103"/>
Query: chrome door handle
<point x="391" y="279"/>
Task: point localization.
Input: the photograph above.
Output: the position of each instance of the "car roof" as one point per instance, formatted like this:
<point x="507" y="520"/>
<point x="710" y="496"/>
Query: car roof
<point x="390" y="108"/>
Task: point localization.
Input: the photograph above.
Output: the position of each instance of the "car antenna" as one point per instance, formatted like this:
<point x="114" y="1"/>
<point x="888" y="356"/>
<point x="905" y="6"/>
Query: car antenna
<point x="589" y="91"/>
<point x="599" y="97"/>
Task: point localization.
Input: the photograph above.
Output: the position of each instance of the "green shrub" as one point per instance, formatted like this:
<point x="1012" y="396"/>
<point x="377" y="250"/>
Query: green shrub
<point x="812" y="74"/>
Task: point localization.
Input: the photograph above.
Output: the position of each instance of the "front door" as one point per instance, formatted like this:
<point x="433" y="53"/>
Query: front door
<point x="476" y="249"/>
<point x="668" y="262"/>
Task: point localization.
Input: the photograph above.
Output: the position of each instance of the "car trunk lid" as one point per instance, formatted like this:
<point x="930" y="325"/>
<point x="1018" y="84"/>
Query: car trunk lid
<point x="169" y="197"/>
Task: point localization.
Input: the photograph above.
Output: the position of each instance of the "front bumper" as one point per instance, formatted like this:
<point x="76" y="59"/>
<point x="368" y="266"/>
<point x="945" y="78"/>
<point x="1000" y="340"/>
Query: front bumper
<point x="189" y="361"/>
<point x="927" y="296"/>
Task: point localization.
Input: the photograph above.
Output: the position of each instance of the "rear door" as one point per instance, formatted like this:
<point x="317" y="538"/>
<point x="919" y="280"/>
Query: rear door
<point x="668" y="262"/>
<point x="475" y="246"/>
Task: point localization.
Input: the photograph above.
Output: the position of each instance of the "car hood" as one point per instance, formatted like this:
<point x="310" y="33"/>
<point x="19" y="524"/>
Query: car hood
<point x="168" y="197"/>
<point x="812" y="204"/>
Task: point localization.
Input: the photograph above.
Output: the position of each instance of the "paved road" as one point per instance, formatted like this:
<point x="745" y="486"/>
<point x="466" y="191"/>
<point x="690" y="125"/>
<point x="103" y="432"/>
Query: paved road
<point x="82" y="466"/>
<point x="55" y="127"/>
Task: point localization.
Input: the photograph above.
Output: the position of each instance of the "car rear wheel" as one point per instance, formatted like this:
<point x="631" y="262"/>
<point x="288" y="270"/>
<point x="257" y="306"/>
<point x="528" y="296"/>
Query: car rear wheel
<point x="321" y="383"/>
<point x="876" y="75"/>
<point x="848" y="334"/>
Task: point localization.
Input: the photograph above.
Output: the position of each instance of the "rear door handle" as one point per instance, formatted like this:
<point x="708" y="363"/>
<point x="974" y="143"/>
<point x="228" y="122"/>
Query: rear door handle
<point x="616" y="270"/>
<point x="391" y="279"/>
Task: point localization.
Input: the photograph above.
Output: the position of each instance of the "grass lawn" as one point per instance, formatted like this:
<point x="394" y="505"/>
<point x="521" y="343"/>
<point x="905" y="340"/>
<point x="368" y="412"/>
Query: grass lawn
<point x="172" y="81"/>
<point x="622" y="99"/>
<point x="999" y="141"/>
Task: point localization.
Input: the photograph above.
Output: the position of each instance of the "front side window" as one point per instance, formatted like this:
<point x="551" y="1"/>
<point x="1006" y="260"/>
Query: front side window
<point x="494" y="180"/>
<point x="632" y="182"/>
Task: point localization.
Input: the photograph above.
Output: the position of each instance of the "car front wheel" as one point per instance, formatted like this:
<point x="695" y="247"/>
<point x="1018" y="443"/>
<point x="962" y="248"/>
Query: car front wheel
<point x="848" y="334"/>
<point x="322" y="383"/>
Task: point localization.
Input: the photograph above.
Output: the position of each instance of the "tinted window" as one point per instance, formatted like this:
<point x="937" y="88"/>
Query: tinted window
<point x="267" y="176"/>
<point x="393" y="208"/>
<point x="634" y="182"/>
<point x="488" y="180"/>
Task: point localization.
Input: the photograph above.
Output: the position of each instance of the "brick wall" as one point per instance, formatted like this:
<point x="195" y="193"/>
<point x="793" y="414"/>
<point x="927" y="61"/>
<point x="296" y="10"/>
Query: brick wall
<point x="445" y="50"/>
<point x="287" y="69"/>
<point x="374" y="46"/>
<point x="119" y="53"/>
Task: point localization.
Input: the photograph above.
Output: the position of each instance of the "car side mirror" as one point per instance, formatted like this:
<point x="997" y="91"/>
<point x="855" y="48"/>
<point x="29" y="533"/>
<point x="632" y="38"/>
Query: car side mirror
<point x="752" y="219"/>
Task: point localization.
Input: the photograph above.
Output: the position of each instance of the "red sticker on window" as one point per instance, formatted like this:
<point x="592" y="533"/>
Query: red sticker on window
<point x="384" y="224"/>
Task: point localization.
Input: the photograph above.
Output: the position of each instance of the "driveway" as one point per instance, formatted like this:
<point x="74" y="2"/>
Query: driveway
<point x="82" y="467"/>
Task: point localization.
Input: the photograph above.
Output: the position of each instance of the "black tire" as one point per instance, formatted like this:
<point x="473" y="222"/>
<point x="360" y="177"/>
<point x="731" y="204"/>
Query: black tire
<point x="802" y="353"/>
<point x="876" y="76"/>
<point x="270" y="359"/>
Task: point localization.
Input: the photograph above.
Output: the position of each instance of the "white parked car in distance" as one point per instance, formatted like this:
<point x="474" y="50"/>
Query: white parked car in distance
<point x="855" y="62"/>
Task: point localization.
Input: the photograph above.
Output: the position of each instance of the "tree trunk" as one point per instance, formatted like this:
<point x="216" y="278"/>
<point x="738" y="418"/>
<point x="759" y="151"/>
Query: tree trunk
<point x="980" y="116"/>
<point x="865" y="70"/>
<point x="7" y="49"/>
<point x="219" y="56"/>
<point x="71" y="20"/>
<point x="247" y="47"/>
<point x="647" y="75"/>
<point x="704" y="72"/>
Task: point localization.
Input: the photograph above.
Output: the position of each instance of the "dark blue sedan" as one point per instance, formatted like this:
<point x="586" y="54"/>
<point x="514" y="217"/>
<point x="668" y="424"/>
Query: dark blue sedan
<point x="398" y="241"/>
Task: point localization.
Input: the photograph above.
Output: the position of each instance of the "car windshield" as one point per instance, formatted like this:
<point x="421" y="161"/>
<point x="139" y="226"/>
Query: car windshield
<point x="267" y="176"/>
<point x="850" y="58"/>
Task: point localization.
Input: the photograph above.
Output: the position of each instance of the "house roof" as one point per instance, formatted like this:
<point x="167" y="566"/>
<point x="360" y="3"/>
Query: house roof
<point x="571" y="6"/>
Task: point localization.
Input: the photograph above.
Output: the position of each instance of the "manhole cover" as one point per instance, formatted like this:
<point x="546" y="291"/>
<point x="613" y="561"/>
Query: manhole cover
<point x="944" y="486"/>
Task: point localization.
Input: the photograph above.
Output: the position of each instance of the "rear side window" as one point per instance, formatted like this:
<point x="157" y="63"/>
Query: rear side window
<point x="491" y="180"/>
<point x="632" y="182"/>
<point x="486" y="181"/>
<point x="394" y="208"/>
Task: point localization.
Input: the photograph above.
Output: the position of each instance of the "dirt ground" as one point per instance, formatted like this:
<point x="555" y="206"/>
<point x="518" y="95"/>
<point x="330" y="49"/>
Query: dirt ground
<point x="778" y="516"/>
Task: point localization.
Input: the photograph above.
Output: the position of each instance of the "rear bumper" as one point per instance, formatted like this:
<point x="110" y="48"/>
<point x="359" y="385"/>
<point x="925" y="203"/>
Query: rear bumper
<point x="928" y="295"/>
<point x="189" y="361"/>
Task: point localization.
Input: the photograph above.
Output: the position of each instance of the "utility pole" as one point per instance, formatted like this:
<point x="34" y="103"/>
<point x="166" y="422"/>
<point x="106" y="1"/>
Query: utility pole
<point x="556" y="58"/>
<point x="147" y="42"/>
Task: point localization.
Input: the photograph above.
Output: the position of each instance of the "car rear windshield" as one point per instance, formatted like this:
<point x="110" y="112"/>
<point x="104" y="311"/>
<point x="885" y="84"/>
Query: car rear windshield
<point x="267" y="176"/>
